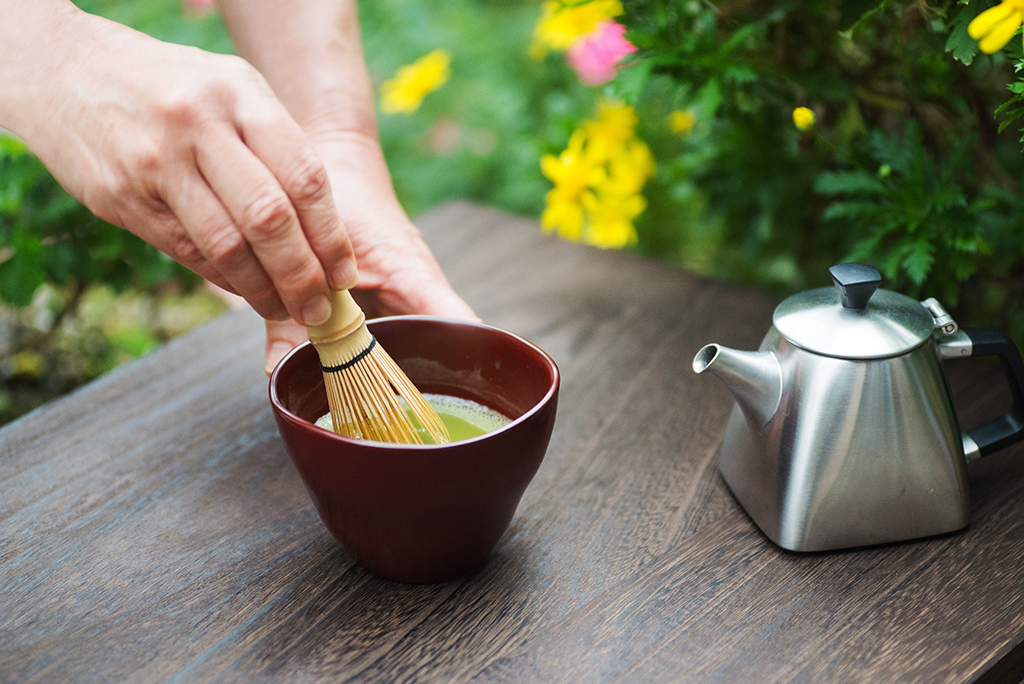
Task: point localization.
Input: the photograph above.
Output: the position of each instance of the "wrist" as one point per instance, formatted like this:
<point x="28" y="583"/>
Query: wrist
<point x="34" y="39"/>
<point x="311" y="54"/>
<point x="359" y="172"/>
<point x="328" y="103"/>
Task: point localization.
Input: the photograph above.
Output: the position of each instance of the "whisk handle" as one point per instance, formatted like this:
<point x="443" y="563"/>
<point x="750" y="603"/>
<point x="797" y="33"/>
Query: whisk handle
<point x="346" y="317"/>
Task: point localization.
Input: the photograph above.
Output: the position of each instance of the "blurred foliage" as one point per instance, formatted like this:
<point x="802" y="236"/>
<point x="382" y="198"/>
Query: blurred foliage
<point x="46" y="236"/>
<point x="79" y="296"/>
<point x="914" y="163"/>
<point x="53" y="345"/>
<point x="907" y="167"/>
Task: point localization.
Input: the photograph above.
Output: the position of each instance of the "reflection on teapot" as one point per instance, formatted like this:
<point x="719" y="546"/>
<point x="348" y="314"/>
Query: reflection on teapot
<point x="844" y="432"/>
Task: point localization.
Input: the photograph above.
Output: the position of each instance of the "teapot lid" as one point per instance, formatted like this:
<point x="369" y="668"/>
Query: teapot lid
<point x="854" y="320"/>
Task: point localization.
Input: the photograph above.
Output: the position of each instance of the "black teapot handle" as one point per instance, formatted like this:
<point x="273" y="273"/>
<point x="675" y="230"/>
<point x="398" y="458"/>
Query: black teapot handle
<point x="1009" y="428"/>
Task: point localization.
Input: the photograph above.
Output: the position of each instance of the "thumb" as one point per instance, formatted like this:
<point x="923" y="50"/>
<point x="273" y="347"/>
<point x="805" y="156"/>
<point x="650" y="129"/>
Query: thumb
<point x="282" y="337"/>
<point x="442" y="300"/>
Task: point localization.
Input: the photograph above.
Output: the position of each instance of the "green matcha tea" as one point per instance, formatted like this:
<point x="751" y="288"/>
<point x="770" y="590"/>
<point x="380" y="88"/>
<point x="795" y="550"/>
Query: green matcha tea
<point x="464" y="419"/>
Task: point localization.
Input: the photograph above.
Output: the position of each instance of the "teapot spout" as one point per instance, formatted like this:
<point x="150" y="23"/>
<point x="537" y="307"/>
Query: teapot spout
<point x="754" y="378"/>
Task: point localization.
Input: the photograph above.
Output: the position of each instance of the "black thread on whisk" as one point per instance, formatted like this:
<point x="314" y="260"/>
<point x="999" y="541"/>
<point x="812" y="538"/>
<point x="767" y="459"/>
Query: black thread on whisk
<point x="348" y="364"/>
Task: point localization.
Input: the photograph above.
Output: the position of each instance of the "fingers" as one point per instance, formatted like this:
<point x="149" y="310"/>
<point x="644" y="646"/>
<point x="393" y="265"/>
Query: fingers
<point x="282" y="337"/>
<point x="276" y="191"/>
<point x="405" y="294"/>
<point x="167" y="234"/>
<point x="218" y="245"/>
<point x="288" y="154"/>
<point x="264" y="221"/>
<point x="256" y="201"/>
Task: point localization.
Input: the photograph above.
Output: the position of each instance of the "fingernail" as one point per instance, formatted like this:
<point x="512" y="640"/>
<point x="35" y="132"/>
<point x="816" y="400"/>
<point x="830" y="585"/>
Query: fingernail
<point x="316" y="311"/>
<point x="275" y="352"/>
<point x="345" y="275"/>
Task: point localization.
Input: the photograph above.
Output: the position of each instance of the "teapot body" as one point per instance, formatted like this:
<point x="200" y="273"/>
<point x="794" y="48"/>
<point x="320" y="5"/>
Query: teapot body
<point x="858" y="452"/>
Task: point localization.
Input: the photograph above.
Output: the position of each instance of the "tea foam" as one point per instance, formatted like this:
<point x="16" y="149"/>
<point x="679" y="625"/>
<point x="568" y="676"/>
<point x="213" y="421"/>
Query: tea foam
<point x="476" y="415"/>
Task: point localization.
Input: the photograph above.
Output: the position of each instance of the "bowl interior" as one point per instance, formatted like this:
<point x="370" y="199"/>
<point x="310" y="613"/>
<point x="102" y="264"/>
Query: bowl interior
<point x="458" y="358"/>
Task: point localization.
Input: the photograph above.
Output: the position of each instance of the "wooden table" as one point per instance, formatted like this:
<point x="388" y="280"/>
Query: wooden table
<point x="152" y="528"/>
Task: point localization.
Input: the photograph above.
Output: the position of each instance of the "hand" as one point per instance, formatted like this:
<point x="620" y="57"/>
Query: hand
<point x="397" y="272"/>
<point x="310" y="53"/>
<point x="192" y="152"/>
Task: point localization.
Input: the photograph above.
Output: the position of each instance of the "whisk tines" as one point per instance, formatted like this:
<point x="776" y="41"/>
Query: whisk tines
<point x="367" y="392"/>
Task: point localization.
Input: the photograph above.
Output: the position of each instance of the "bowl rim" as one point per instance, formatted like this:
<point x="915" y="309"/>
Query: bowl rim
<point x="278" y="405"/>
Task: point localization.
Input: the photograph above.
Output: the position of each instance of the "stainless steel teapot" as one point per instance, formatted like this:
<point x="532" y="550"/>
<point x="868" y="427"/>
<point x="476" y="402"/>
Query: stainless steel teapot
<point x="844" y="432"/>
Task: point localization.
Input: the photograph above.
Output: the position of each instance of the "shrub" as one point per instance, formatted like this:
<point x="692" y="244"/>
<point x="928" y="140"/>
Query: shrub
<point x="912" y="165"/>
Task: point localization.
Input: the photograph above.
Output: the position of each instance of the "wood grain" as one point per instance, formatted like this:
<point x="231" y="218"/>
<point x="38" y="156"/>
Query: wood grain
<point x="152" y="528"/>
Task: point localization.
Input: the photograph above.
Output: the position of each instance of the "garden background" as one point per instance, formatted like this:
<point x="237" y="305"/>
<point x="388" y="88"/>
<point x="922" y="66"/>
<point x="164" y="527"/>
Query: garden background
<point x="908" y="155"/>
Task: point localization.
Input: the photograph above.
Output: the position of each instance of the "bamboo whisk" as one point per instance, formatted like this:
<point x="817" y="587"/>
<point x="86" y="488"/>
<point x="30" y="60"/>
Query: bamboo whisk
<point x="362" y="381"/>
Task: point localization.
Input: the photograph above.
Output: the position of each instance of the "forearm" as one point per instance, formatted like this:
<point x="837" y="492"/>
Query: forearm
<point x="310" y="53"/>
<point x="34" y="35"/>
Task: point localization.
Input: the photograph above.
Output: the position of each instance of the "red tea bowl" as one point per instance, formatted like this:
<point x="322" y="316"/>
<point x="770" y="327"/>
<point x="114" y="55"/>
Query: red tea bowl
<point x="422" y="513"/>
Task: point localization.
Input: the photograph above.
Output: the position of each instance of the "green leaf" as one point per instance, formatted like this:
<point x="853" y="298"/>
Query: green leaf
<point x="23" y="272"/>
<point x="631" y="81"/>
<point x="1007" y="107"/>
<point x="848" y="182"/>
<point x="867" y="16"/>
<point x="134" y="341"/>
<point x="919" y="260"/>
<point x="740" y="74"/>
<point x="852" y="11"/>
<point x="851" y="210"/>
<point x="959" y="43"/>
<point x="11" y="146"/>
<point x="736" y="39"/>
<point x="947" y="197"/>
<point x="709" y="99"/>
<point x="973" y="244"/>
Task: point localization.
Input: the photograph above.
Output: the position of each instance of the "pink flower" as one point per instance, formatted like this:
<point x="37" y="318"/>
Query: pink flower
<point x="595" y="55"/>
<point x="197" y="8"/>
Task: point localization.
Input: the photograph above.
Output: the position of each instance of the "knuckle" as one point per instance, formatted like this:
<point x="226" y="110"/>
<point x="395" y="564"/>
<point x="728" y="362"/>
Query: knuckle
<point x="186" y="252"/>
<point x="110" y="197"/>
<point x="304" y="277"/>
<point x="231" y="78"/>
<point x="237" y="67"/>
<point x="225" y="247"/>
<point x="269" y="214"/>
<point x="115" y="193"/>
<point x="216" y="90"/>
<point x="185" y="106"/>
<point x="307" y="178"/>
<point x="147" y="159"/>
<point x="184" y="109"/>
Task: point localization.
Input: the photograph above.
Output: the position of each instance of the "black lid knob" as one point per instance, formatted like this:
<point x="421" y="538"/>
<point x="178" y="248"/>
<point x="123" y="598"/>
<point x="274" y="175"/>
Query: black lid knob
<point x="856" y="283"/>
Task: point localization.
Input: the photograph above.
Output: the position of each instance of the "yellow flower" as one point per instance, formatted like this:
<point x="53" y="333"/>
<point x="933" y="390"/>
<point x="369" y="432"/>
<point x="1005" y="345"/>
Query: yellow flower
<point x="413" y="82"/>
<point x="611" y="220"/>
<point x="597" y="180"/>
<point x="562" y="22"/>
<point x="629" y="169"/>
<point x="994" y="27"/>
<point x="574" y="170"/>
<point x="613" y="127"/>
<point x="682" y="122"/>
<point x="803" y="118"/>
<point x="573" y="173"/>
<point x="562" y="215"/>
